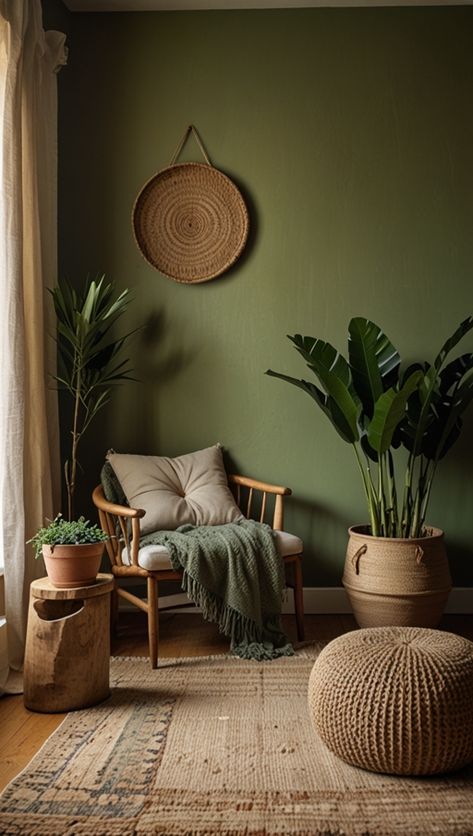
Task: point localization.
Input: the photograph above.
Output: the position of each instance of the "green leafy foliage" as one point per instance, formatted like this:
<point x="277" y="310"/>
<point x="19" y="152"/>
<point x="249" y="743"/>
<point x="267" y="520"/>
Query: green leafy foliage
<point x="373" y="360"/>
<point x="89" y="356"/>
<point x="377" y="408"/>
<point x="61" y="532"/>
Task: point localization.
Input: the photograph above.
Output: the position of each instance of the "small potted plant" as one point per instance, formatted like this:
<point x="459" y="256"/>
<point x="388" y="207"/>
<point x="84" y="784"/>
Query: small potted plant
<point x="396" y="569"/>
<point x="72" y="551"/>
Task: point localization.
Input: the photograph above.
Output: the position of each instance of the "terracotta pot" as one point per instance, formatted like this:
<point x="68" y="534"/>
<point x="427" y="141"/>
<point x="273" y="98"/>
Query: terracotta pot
<point x="74" y="565"/>
<point x="397" y="582"/>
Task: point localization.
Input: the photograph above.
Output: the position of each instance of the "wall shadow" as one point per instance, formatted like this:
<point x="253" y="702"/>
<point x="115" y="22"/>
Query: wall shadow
<point x="154" y="362"/>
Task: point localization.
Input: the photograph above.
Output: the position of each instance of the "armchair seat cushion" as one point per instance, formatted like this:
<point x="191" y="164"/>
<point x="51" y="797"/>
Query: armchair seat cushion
<point x="156" y="558"/>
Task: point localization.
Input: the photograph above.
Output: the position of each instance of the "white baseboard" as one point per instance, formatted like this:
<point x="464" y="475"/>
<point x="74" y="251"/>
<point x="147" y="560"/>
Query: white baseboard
<point x="329" y="600"/>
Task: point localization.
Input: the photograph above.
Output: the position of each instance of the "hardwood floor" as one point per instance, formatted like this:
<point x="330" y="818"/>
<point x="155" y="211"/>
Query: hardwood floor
<point x="23" y="732"/>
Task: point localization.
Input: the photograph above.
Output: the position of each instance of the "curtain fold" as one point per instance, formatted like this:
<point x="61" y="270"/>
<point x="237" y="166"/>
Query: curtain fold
<point x="29" y="434"/>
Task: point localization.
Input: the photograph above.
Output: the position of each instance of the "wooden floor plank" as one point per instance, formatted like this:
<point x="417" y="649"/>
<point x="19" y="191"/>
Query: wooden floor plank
<point x="23" y="732"/>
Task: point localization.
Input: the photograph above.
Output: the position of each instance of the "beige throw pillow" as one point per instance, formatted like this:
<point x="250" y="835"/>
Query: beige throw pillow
<point x="190" y="489"/>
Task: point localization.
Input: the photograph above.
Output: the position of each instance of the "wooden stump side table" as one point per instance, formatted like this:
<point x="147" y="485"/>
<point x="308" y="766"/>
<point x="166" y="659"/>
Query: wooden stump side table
<point x="67" y="658"/>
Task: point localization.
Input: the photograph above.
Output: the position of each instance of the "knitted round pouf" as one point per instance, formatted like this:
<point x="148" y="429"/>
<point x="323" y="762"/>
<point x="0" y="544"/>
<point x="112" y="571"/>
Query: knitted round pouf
<point x="396" y="699"/>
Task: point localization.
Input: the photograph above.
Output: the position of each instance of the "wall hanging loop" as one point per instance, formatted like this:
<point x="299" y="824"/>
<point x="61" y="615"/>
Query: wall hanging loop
<point x="190" y="130"/>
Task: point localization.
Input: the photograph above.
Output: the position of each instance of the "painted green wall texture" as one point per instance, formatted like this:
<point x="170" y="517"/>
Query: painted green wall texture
<point x="350" y="133"/>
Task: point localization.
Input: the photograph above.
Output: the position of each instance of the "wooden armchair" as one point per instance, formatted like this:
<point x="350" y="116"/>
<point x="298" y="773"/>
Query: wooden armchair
<point x="257" y="500"/>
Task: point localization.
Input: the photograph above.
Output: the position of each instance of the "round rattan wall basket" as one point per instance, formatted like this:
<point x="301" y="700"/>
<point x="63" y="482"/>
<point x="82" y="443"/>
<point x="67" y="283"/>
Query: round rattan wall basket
<point x="189" y="220"/>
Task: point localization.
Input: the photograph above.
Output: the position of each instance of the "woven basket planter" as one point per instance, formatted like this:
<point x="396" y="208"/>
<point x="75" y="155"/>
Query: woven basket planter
<point x="392" y="581"/>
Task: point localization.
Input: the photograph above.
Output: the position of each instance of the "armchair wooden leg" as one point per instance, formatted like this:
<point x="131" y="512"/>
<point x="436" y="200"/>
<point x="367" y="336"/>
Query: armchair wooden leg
<point x="153" y="620"/>
<point x="299" y="599"/>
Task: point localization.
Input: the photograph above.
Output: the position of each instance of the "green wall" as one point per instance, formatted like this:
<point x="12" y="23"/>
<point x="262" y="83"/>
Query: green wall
<point x="350" y="132"/>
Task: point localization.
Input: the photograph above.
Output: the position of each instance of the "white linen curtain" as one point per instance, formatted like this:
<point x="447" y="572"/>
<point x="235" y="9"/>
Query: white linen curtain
<point x="29" y="435"/>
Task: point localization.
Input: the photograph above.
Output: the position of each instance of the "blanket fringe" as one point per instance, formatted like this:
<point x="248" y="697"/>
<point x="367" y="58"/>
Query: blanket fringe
<point x="231" y="622"/>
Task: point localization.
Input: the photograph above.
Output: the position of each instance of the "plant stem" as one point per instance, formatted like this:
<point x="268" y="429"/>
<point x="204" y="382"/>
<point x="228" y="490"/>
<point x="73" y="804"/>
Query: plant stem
<point x="416" y="521"/>
<point x="428" y="480"/>
<point x="369" y="493"/>
<point x="381" y="497"/>
<point x="394" y="519"/>
<point x="407" y="498"/>
<point x="71" y="481"/>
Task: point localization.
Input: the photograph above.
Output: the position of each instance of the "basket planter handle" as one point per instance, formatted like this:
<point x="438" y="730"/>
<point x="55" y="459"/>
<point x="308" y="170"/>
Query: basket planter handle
<point x="190" y="130"/>
<point x="419" y="555"/>
<point x="356" y="558"/>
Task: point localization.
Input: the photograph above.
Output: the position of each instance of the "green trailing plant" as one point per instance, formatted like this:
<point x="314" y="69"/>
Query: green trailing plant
<point x="377" y="408"/>
<point x="61" y="532"/>
<point x="89" y="357"/>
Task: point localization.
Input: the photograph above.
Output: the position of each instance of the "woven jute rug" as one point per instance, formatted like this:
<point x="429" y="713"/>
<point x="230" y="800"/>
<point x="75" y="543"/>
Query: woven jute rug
<point x="219" y="745"/>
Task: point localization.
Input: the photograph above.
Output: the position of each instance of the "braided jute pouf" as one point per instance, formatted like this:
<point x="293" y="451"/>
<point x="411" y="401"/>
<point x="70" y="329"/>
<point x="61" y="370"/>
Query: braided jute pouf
<point x="396" y="699"/>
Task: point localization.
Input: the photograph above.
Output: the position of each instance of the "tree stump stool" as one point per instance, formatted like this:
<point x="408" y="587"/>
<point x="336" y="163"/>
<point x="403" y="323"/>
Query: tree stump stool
<point x="67" y="658"/>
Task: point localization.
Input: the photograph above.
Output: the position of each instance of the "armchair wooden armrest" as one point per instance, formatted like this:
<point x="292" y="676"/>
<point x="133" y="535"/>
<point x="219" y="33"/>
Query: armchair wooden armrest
<point x="248" y="482"/>
<point x="262" y="489"/>
<point x="103" y="504"/>
<point x="109" y="515"/>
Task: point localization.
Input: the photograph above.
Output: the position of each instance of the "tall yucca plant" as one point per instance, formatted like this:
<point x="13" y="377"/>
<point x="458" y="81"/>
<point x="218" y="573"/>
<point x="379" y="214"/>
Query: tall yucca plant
<point x="89" y="361"/>
<point x="376" y="409"/>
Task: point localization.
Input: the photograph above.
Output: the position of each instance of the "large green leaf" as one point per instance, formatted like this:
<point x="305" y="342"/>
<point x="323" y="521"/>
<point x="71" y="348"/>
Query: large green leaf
<point x="453" y="373"/>
<point x="446" y="419"/>
<point x="320" y="353"/>
<point x="326" y="404"/>
<point x="389" y="411"/>
<point x="453" y="341"/>
<point x="374" y="361"/>
<point x="421" y="416"/>
<point x="334" y="374"/>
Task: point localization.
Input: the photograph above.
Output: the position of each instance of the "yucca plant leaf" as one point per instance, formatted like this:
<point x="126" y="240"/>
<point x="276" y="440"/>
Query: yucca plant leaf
<point x="68" y="334"/>
<point x="389" y="411"/>
<point x="374" y="361"/>
<point x="63" y="382"/>
<point x="89" y="302"/>
<point x="119" y="305"/>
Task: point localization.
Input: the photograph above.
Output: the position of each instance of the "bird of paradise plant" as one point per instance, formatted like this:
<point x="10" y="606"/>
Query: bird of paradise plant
<point x="377" y="409"/>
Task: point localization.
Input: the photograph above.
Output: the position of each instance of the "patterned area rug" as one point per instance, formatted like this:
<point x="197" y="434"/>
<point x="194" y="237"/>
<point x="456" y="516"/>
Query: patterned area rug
<point x="219" y="745"/>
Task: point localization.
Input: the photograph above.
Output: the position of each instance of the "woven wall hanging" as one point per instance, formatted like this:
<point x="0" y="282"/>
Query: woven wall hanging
<point x="190" y="221"/>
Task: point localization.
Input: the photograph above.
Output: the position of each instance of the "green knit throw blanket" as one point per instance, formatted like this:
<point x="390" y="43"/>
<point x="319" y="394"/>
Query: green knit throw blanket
<point x="235" y="575"/>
